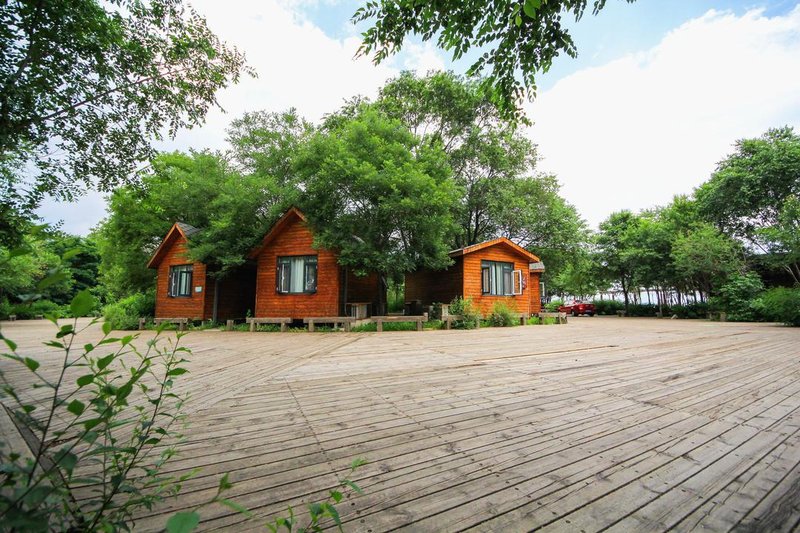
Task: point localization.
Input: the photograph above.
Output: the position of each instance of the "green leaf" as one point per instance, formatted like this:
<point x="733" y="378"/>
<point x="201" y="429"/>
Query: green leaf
<point x="224" y="483"/>
<point x="11" y="344"/>
<point x="66" y="460"/>
<point x="336" y="495"/>
<point x="177" y="372"/>
<point x="105" y="361"/>
<point x="358" y="462"/>
<point x="76" y="407"/>
<point x="236" y="507"/>
<point x="353" y="486"/>
<point x="531" y="6"/>
<point x="83" y="303"/>
<point x="51" y="279"/>
<point x="518" y="20"/>
<point x="85" y="380"/>
<point x="183" y="522"/>
<point x="334" y="514"/>
<point x="32" y="364"/>
<point x="106" y="328"/>
<point x="69" y="254"/>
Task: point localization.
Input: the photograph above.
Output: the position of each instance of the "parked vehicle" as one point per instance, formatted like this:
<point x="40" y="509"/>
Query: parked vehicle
<point x="577" y="307"/>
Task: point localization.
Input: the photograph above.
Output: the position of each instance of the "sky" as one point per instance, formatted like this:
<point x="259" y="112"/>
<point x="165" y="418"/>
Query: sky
<point x="658" y="95"/>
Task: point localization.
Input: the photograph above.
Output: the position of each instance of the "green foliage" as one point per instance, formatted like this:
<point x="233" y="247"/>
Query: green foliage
<point x="387" y="326"/>
<point x="125" y="313"/>
<point x="607" y="307"/>
<point x="754" y="195"/>
<point x="781" y="304"/>
<point x="378" y="197"/>
<point x="88" y="86"/>
<point x="553" y="305"/>
<point x="707" y="257"/>
<point x="737" y="297"/>
<point x="518" y="40"/>
<point x="118" y="425"/>
<point x="32" y="309"/>
<point x="502" y="316"/>
<point x="232" y="210"/>
<point x="469" y="314"/>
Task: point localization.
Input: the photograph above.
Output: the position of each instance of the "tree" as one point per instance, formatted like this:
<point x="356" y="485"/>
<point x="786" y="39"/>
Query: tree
<point x="613" y="246"/>
<point x="751" y="193"/>
<point x="451" y="113"/>
<point x="85" y="87"/>
<point x="233" y="212"/>
<point x="378" y="196"/>
<point x="518" y="39"/>
<point x="707" y="257"/>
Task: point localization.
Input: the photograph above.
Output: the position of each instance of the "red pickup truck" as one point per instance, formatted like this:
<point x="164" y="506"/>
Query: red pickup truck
<point x="577" y="308"/>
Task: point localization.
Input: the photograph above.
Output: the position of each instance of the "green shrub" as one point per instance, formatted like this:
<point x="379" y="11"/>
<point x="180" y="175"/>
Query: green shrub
<point x="125" y="313"/>
<point x="738" y="296"/>
<point x="502" y="316"/>
<point x="695" y="310"/>
<point x="465" y="308"/>
<point x="5" y="309"/>
<point x="607" y="307"/>
<point x="781" y="305"/>
<point x="553" y="306"/>
<point x="39" y="307"/>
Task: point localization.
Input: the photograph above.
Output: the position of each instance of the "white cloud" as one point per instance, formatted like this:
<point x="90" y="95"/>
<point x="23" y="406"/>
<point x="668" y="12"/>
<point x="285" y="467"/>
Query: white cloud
<point x="638" y="130"/>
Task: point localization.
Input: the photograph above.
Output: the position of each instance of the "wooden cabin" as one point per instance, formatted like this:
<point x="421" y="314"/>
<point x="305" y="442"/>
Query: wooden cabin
<point x="184" y="288"/>
<point x="493" y="271"/>
<point x="296" y="280"/>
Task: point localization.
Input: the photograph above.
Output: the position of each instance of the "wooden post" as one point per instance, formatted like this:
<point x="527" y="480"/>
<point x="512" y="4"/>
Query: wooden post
<point x="347" y="326"/>
<point x="141" y="324"/>
<point x="311" y="326"/>
<point x="182" y="325"/>
<point x="229" y="325"/>
<point x="12" y="318"/>
<point x="378" y="325"/>
<point x="283" y="327"/>
<point x="252" y="325"/>
<point x="419" y="325"/>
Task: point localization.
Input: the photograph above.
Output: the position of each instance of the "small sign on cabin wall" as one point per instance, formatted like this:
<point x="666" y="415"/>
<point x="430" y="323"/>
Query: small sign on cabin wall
<point x="198" y="289"/>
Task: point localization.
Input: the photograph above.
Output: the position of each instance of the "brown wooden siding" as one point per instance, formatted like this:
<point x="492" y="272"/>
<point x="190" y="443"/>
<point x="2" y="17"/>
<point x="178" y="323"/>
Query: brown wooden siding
<point x="296" y="239"/>
<point x="534" y="293"/>
<point x="236" y="295"/>
<point x="362" y="289"/>
<point x="472" y="279"/>
<point x="430" y="287"/>
<point x="192" y="306"/>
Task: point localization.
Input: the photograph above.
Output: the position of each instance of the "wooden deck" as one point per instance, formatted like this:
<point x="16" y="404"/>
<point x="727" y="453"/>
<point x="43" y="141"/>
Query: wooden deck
<point x="603" y="423"/>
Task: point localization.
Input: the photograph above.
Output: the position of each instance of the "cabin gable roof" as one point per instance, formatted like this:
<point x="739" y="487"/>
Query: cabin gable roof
<point x="177" y="231"/>
<point x="500" y="241"/>
<point x="289" y="217"/>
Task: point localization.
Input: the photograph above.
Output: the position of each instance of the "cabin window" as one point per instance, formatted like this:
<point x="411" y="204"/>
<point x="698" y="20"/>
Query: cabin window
<point x="180" y="280"/>
<point x="497" y="278"/>
<point x="297" y="274"/>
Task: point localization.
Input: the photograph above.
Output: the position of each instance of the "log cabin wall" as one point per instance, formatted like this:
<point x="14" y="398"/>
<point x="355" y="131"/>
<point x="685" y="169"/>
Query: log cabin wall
<point x="236" y="295"/>
<point x="192" y="306"/>
<point x="295" y="239"/>
<point x="534" y="292"/>
<point x="472" y="279"/>
<point x="430" y="287"/>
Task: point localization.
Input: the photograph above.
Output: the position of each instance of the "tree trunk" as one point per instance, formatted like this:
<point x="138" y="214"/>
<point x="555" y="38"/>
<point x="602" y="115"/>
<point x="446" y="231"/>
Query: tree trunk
<point x="382" y="289"/>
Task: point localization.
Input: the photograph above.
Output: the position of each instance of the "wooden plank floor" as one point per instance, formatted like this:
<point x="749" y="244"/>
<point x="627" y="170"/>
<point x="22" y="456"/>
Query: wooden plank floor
<point x="602" y="424"/>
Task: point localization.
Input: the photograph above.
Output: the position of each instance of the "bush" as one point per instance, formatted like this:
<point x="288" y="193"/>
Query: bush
<point x="465" y="308"/>
<point x="695" y="310"/>
<point x="738" y="296"/>
<point x="641" y="310"/>
<point x="781" y="305"/>
<point x="553" y="306"/>
<point x="607" y="307"/>
<point x="5" y="309"/>
<point x="502" y="316"/>
<point x="125" y="313"/>
<point x="36" y="308"/>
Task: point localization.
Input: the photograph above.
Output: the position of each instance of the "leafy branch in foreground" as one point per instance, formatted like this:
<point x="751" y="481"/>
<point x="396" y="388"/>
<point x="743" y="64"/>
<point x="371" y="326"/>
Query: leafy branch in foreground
<point x="319" y="511"/>
<point x="96" y="430"/>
